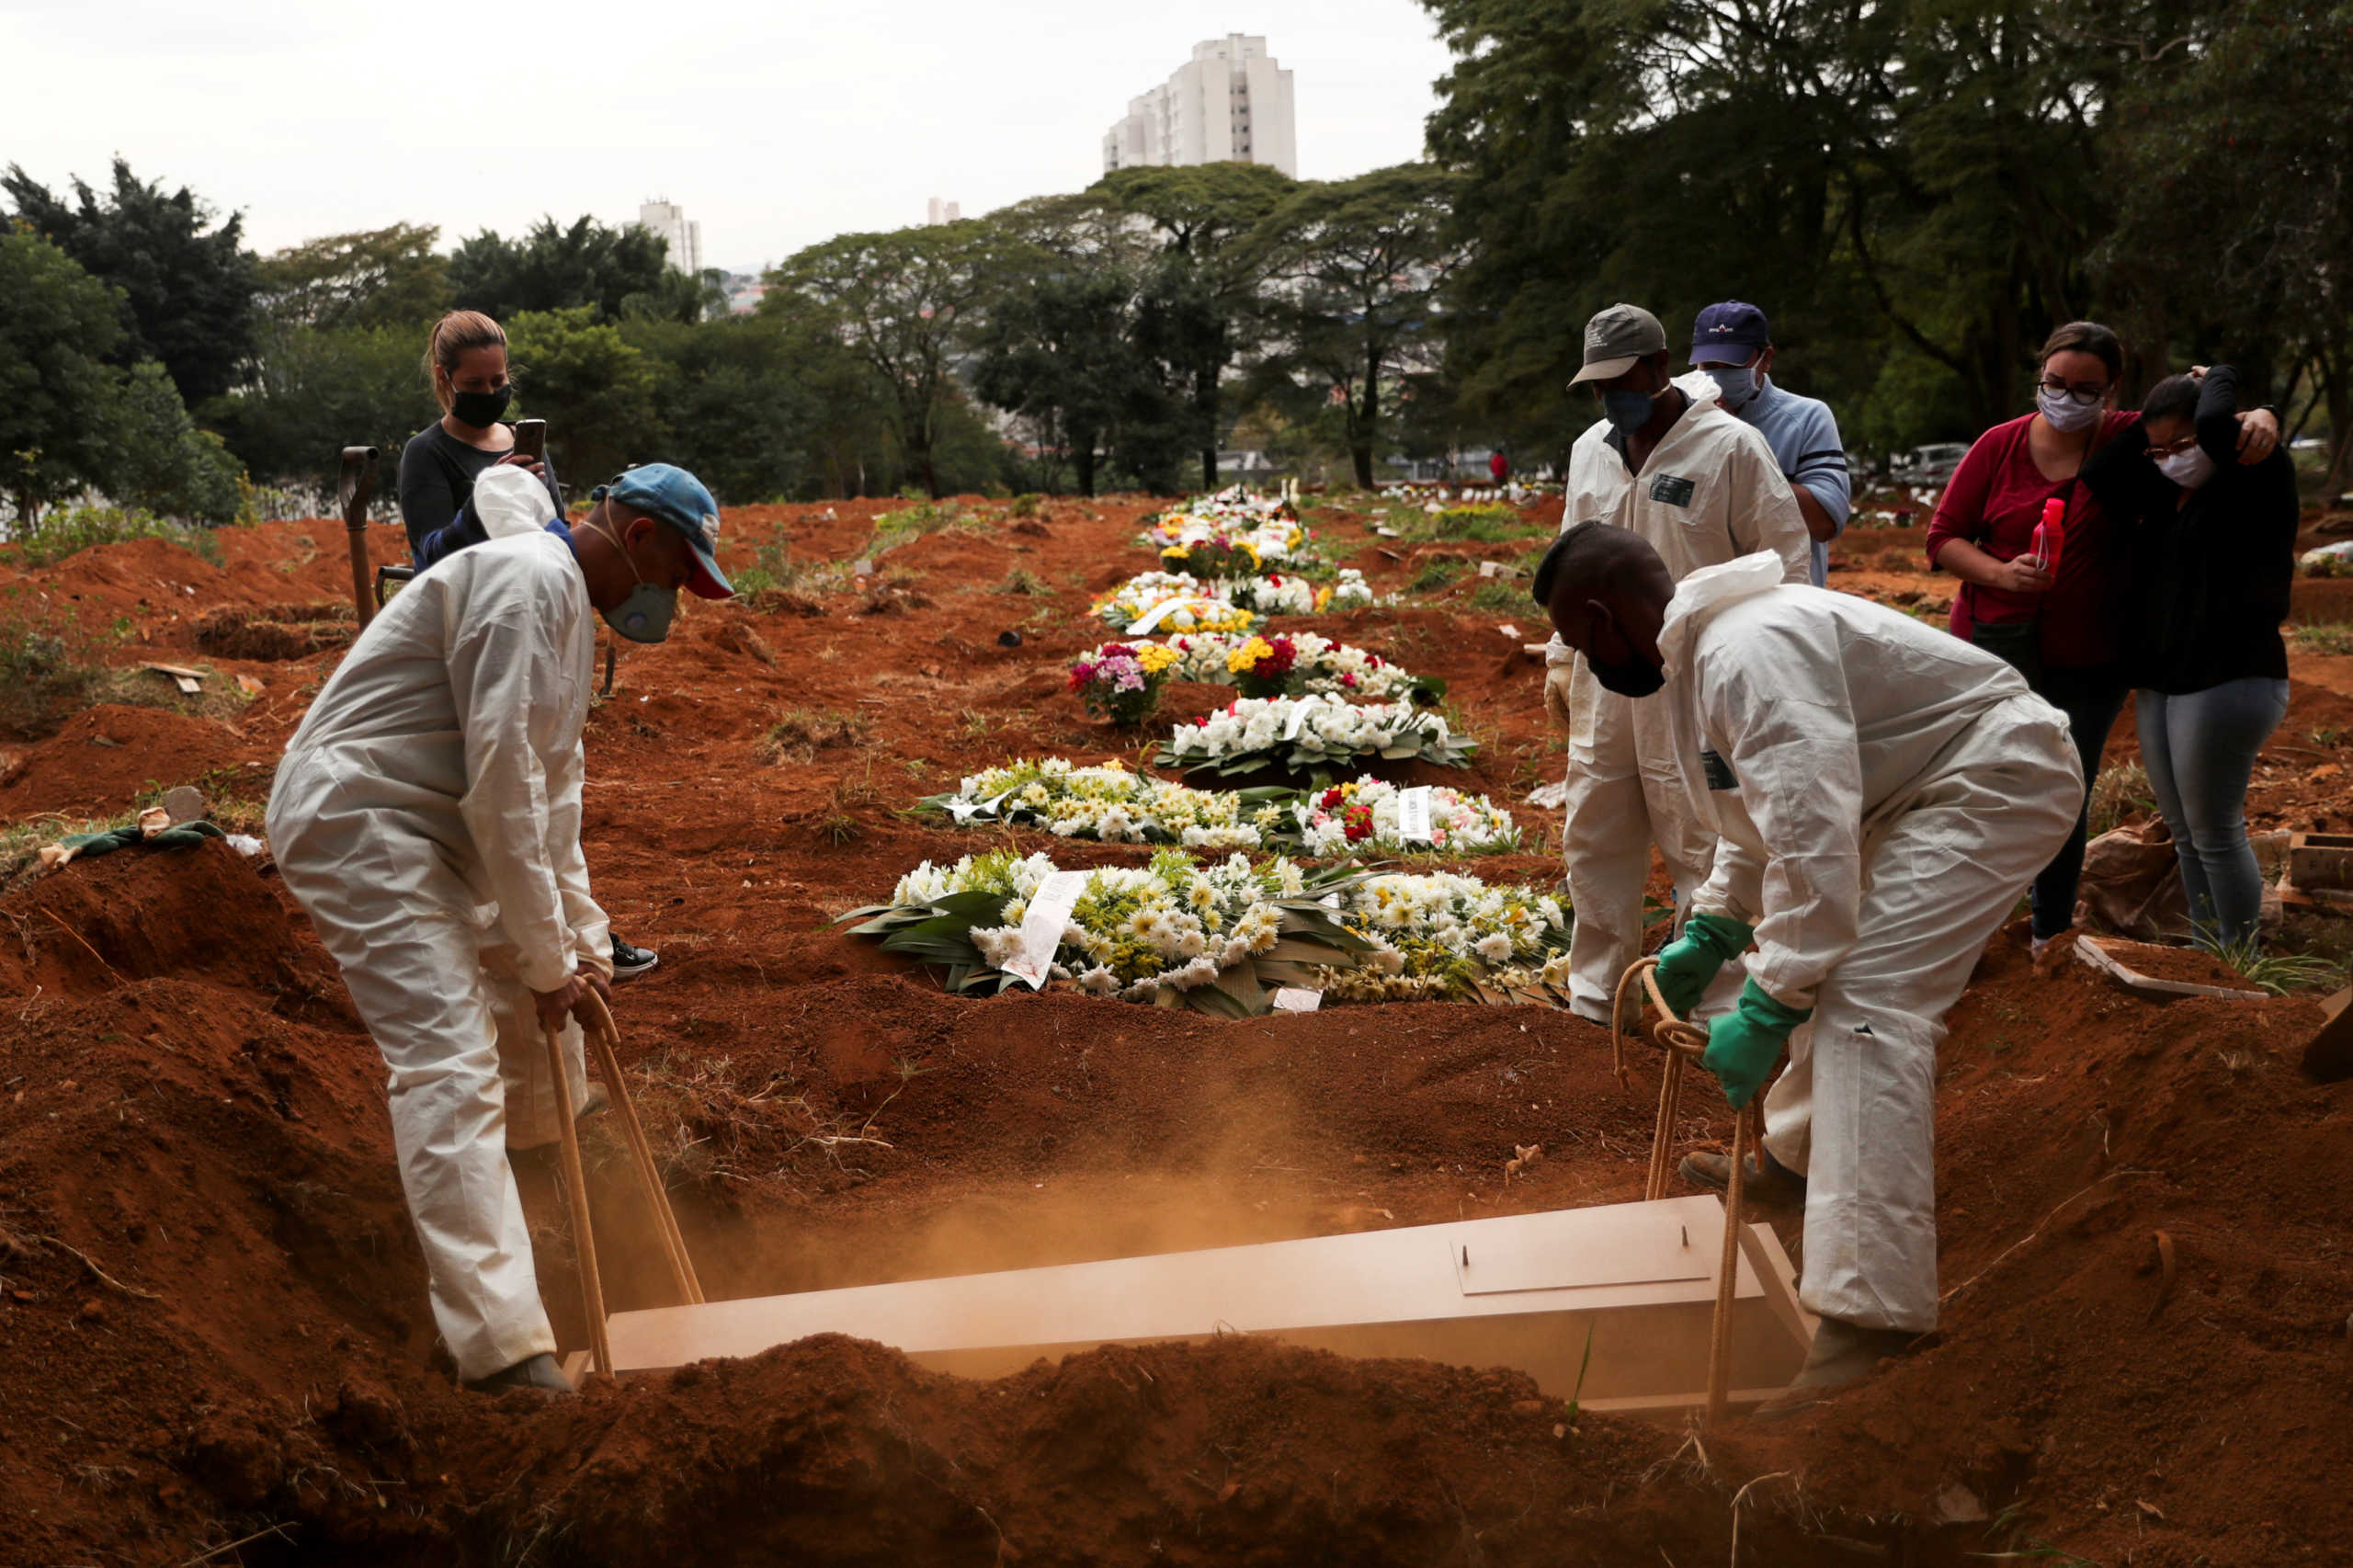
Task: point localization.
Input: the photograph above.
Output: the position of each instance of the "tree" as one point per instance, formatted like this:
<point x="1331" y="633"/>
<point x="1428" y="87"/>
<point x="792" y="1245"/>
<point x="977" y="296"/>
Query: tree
<point x="2235" y="236"/>
<point x="161" y="461"/>
<point x="594" y="390"/>
<point x="1357" y="268"/>
<point x="187" y="289"/>
<point x="586" y="265"/>
<point x="317" y="390"/>
<point x="376" y="278"/>
<point x="1912" y="189"/>
<point x="1196" y="314"/>
<point x="732" y="404"/>
<point x="1056" y="351"/>
<point x="58" y="327"/>
<point x="907" y="304"/>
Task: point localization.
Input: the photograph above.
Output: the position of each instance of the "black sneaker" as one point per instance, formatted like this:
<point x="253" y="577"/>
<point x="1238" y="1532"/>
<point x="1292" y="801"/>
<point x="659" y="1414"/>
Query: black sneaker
<point x="629" y="963"/>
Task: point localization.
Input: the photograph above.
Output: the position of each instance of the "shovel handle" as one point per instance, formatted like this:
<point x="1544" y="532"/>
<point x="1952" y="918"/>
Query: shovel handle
<point x="355" y="487"/>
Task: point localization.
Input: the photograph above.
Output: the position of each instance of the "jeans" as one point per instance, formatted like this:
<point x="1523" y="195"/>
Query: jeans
<point x="2199" y="750"/>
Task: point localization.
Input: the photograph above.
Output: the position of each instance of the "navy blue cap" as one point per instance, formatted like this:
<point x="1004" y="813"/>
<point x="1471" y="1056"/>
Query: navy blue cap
<point x="670" y="495"/>
<point x="1729" y="334"/>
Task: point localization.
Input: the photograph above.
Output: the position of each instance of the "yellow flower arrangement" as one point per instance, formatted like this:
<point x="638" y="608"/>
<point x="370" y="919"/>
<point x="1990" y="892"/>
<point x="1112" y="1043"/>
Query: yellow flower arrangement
<point x="1155" y="657"/>
<point x="1242" y="660"/>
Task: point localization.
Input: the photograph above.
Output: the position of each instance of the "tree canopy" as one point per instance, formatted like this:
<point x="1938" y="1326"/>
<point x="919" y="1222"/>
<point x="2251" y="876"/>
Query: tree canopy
<point x="189" y="290"/>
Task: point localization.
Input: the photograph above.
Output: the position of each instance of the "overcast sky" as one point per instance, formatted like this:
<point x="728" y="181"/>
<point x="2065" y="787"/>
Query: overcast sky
<point x="775" y="125"/>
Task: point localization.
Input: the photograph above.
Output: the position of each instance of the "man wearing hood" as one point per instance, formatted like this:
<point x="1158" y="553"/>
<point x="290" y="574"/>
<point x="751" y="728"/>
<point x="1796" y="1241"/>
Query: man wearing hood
<point x="1881" y="795"/>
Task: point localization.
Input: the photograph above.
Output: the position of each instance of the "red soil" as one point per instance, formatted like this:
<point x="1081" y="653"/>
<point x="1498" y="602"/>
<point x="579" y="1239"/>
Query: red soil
<point x="186" y="1102"/>
<point x="2190" y="966"/>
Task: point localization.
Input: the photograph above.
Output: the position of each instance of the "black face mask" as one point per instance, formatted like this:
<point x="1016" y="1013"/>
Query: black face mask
<point x="480" y="410"/>
<point x="1627" y="677"/>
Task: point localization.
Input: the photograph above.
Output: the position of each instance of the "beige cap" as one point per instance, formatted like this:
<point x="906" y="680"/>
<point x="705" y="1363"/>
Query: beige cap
<point x="1616" y="340"/>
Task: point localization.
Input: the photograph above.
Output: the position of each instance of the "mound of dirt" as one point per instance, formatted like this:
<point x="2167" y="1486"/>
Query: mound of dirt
<point x="275" y="631"/>
<point x="104" y="758"/>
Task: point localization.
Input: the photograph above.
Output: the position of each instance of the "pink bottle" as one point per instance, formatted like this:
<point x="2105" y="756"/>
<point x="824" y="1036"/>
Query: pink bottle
<point x="2050" y="534"/>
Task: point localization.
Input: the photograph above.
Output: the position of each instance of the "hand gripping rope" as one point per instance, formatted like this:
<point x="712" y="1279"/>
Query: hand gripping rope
<point x="604" y="1038"/>
<point x="1682" y="1044"/>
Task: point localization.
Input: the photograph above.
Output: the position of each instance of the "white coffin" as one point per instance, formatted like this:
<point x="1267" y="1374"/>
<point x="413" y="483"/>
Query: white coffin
<point x="1521" y="1291"/>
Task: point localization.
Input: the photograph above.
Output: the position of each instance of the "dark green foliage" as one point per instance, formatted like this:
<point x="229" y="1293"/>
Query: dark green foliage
<point x="904" y="304"/>
<point x="377" y="278"/>
<point x="587" y="266"/>
<point x="189" y="291"/>
<point x="730" y="403"/>
<point x="317" y="390"/>
<point x="59" y="328"/>
<point x="1357" y="268"/>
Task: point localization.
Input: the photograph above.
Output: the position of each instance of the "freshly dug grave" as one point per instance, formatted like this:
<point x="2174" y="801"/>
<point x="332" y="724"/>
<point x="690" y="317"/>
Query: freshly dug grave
<point x="187" y="1103"/>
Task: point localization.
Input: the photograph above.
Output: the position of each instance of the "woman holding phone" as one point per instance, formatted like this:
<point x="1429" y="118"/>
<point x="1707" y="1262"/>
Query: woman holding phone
<point x="466" y="360"/>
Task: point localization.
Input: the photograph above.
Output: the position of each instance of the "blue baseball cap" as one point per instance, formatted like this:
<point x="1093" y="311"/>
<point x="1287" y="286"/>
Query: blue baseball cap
<point x="1729" y="334"/>
<point x="670" y="495"/>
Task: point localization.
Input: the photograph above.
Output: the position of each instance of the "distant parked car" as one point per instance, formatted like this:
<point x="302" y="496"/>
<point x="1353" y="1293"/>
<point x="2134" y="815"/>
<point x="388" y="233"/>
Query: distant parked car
<point x="1931" y="465"/>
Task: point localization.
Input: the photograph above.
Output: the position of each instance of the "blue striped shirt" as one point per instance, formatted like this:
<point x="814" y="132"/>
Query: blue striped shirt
<point x="1803" y="434"/>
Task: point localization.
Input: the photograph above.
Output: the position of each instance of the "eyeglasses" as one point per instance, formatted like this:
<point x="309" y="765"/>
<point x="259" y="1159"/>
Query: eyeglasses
<point x="2172" y="448"/>
<point x="2081" y="394"/>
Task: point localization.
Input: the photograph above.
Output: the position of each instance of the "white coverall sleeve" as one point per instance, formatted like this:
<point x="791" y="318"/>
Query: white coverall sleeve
<point x="1788" y="729"/>
<point x="1764" y="509"/>
<point x="507" y="674"/>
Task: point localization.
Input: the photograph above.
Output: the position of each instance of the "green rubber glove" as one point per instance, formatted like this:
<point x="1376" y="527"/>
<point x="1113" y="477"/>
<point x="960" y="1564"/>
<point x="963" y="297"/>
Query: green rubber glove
<point x="1688" y="964"/>
<point x="1742" y="1044"/>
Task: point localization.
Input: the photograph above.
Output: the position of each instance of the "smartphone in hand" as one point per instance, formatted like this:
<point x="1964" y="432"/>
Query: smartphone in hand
<point x="531" y="439"/>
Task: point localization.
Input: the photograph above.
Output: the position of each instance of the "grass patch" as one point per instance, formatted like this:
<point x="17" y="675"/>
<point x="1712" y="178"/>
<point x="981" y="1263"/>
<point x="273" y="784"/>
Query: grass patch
<point x="45" y="662"/>
<point x="1482" y="523"/>
<point x="1435" y="577"/>
<point x="2335" y="639"/>
<point x="776" y="570"/>
<point x="892" y="529"/>
<point x="2119" y="793"/>
<point x="2280" y="973"/>
<point x="1502" y="596"/>
<point x="1025" y="582"/>
<point x="69" y="530"/>
<point x="801" y="733"/>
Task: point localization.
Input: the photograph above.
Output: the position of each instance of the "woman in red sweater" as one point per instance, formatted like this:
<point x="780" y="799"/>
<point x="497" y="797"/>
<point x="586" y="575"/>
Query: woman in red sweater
<point x="2058" y="625"/>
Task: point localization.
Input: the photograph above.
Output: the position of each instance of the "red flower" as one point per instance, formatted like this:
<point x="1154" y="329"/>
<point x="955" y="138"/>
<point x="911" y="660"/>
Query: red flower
<point x="1359" y="821"/>
<point x="1332" y="798"/>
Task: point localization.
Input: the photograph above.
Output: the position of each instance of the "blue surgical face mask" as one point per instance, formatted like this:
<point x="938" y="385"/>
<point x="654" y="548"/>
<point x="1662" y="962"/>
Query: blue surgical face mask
<point x="1630" y="411"/>
<point x="1737" y="383"/>
<point x="646" y="615"/>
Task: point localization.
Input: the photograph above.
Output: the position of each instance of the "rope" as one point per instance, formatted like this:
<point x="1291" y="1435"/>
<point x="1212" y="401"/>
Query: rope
<point x="1683" y="1043"/>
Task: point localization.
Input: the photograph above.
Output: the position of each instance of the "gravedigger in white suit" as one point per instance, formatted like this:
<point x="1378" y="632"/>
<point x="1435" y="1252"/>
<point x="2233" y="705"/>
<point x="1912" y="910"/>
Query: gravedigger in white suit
<point x="1882" y="794"/>
<point x="1702" y="487"/>
<point x="427" y="817"/>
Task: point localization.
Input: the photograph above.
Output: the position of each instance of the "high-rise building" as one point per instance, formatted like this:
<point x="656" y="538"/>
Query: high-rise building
<point x="1230" y="103"/>
<point x="943" y="212"/>
<point x="669" y="220"/>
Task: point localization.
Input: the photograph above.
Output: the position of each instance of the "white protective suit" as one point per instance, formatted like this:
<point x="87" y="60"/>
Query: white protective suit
<point x="1882" y="793"/>
<point x="1712" y="492"/>
<point x="427" y="817"/>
